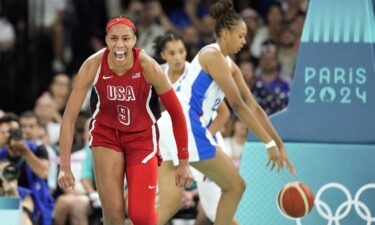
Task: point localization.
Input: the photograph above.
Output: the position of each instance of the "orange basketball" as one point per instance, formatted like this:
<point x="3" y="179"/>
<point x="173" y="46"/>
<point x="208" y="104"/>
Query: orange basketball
<point x="295" y="199"/>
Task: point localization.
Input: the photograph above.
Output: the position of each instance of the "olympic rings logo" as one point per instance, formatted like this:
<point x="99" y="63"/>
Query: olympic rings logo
<point x="343" y="210"/>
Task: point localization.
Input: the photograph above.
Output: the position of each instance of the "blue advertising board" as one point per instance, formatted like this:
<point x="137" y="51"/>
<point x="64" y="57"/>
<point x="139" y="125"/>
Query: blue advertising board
<point x="333" y="95"/>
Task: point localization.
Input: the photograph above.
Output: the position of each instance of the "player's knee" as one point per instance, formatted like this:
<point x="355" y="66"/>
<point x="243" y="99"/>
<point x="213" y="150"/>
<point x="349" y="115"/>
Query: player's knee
<point x="242" y="186"/>
<point x="238" y="187"/>
<point x="114" y="216"/>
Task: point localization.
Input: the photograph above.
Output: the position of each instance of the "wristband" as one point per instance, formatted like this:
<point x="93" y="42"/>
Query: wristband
<point x="270" y="144"/>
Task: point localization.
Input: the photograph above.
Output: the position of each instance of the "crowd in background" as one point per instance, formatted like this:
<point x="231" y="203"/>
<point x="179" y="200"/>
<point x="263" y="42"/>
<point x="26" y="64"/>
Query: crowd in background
<point x="43" y="43"/>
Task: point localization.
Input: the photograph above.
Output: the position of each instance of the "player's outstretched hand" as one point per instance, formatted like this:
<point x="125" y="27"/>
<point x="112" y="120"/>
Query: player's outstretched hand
<point x="274" y="158"/>
<point x="66" y="179"/>
<point x="286" y="161"/>
<point x="184" y="177"/>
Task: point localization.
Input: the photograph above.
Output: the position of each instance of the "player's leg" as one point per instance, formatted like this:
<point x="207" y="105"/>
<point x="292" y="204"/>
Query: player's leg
<point x="221" y="170"/>
<point x="142" y="185"/>
<point x="169" y="195"/>
<point x="109" y="178"/>
<point x="209" y="196"/>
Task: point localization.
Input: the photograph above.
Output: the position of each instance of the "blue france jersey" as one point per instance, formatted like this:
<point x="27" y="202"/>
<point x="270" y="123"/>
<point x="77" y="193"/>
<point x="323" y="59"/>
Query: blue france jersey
<point x="198" y="92"/>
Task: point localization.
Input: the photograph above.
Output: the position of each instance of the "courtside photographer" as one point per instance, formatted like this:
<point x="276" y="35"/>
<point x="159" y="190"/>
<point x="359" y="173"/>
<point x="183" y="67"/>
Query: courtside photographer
<point x="32" y="162"/>
<point x="9" y="188"/>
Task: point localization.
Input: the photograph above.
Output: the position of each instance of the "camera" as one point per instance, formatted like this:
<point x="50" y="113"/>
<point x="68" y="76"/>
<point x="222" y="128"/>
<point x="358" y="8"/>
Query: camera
<point x="10" y="173"/>
<point x="15" y="134"/>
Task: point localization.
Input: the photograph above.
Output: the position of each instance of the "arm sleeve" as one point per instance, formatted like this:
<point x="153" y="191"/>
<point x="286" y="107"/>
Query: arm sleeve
<point x="173" y="106"/>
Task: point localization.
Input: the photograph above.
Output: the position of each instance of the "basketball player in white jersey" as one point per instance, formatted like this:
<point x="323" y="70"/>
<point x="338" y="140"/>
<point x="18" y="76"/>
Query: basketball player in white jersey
<point x="171" y="48"/>
<point x="211" y="76"/>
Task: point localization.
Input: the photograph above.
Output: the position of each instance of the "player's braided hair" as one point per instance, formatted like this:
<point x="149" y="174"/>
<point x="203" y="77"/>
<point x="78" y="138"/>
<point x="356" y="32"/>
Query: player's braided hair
<point x="224" y="15"/>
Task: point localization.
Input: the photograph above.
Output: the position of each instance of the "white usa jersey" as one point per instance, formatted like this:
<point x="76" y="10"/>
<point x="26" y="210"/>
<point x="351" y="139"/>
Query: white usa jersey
<point x="198" y="92"/>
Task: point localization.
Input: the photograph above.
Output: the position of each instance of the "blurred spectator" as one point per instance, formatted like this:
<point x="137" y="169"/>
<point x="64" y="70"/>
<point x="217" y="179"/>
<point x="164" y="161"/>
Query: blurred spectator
<point x="148" y="29"/>
<point x="29" y="125"/>
<point x="252" y="21"/>
<point x="207" y="31"/>
<point x="31" y="130"/>
<point x="134" y="10"/>
<point x="297" y="26"/>
<point x="244" y="55"/>
<point x="270" y="31"/>
<point x="4" y="134"/>
<point x="113" y="9"/>
<point x="8" y="35"/>
<point x="247" y="69"/>
<point x="80" y="138"/>
<point x="46" y="110"/>
<point x="46" y="29"/>
<point x="234" y="145"/>
<point x="268" y="99"/>
<point x="190" y="37"/>
<point x="42" y="135"/>
<point x="287" y="53"/>
<point x="292" y="9"/>
<point x="295" y="14"/>
<point x="7" y="58"/>
<point x="32" y="162"/>
<point x="268" y="72"/>
<point x="86" y="32"/>
<point x="1" y="113"/>
<point x="162" y="19"/>
<point x="191" y="14"/>
<point x="304" y="5"/>
<point x="271" y="90"/>
<point x="60" y="90"/>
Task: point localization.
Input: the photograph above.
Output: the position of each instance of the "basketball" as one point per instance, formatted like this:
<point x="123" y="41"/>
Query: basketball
<point x="295" y="199"/>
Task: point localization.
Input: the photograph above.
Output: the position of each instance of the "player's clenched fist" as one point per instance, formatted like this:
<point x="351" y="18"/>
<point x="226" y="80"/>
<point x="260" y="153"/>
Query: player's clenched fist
<point x="66" y="179"/>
